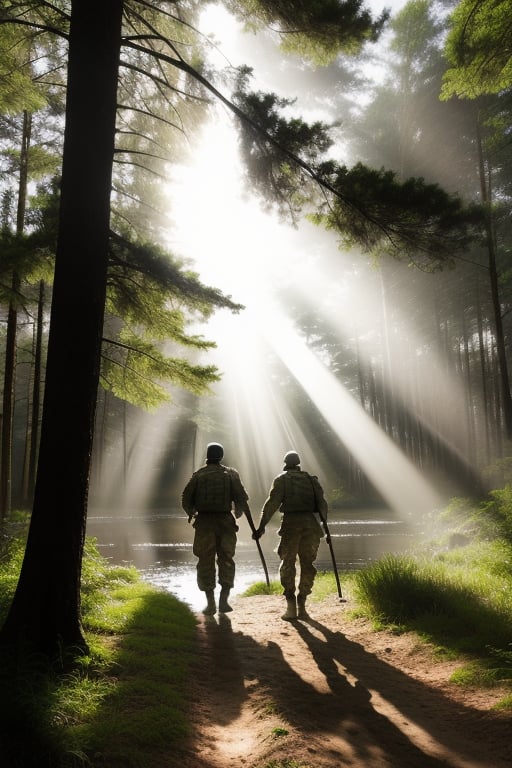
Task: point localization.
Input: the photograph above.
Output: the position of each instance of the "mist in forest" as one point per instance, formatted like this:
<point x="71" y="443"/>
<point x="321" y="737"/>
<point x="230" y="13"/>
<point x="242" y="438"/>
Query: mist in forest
<point x="362" y="367"/>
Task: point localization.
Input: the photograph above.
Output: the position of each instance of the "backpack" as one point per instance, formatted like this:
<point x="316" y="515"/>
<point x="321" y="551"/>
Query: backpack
<point x="213" y="489"/>
<point x="299" y="494"/>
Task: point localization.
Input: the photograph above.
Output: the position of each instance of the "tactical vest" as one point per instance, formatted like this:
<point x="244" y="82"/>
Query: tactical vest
<point x="213" y="489"/>
<point x="299" y="495"/>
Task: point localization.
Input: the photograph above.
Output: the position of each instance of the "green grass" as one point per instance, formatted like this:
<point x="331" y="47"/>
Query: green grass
<point x="460" y="601"/>
<point x="260" y="588"/>
<point x="324" y="587"/>
<point x="124" y="704"/>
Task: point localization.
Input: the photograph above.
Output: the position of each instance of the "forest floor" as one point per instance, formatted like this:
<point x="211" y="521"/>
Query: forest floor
<point x="330" y="692"/>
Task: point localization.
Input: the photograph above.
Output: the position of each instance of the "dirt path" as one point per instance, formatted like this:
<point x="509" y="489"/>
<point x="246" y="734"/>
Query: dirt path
<point x="328" y="693"/>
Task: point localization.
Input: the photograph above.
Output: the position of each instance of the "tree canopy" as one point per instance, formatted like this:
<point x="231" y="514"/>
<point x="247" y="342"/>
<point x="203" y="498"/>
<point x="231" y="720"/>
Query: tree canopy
<point x="479" y="49"/>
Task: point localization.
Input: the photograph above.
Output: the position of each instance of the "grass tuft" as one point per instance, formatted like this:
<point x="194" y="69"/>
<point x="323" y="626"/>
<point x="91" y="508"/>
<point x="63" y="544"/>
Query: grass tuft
<point x="260" y="588"/>
<point x="458" y="600"/>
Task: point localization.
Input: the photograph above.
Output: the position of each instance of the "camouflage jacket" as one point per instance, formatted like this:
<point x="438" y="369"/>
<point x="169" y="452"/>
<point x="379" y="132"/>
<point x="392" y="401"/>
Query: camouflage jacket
<point x="294" y="491"/>
<point x="214" y="488"/>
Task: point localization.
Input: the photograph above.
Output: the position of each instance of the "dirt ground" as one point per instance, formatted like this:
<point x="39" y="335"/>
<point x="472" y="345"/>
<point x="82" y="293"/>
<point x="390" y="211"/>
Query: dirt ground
<point x="329" y="693"/>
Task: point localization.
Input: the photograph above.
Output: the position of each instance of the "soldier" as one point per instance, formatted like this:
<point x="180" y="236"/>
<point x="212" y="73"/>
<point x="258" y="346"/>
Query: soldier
<point x="209" y="498"/>
<point x="297" y="495"/>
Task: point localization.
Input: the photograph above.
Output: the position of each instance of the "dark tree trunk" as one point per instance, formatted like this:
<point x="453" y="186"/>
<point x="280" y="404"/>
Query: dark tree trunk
<point x="8" y="399"/>
<point x="33" y="443"/>
<point x="12" y="333"/>
<point x="45" y="612"/>
<point x="495" y="291"/>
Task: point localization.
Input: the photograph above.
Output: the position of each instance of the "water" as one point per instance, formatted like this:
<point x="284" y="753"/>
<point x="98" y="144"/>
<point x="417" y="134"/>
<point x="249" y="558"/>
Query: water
<point x="159" y="544"/>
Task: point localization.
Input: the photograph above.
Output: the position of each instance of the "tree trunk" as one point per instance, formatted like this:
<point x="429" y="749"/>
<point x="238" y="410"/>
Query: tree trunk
<point x="8" y="399"/>
<point x="36" y="398"/>
<point x="495" y="293"/>
<point x="12" y="331"/>
<point x="45" y="612"/>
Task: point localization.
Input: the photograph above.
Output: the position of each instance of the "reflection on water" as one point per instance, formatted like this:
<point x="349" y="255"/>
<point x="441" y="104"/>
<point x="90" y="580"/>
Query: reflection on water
<point x="160" y="546"/>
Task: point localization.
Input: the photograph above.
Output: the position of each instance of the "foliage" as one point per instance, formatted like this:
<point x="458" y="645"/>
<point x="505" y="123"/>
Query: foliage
<point x="99" y="579"/>
<point x="151" y="297"/>
<point x="478" y="47"/>
<point x="457" y="593"/>
<point x="12" y="550"/>
<point x="271" y="142"/>
<point x="471" y="614"/>
<point x="314" y="28"/>
<point x="139" y="267"/>
<point x="367" y="207"/>
<point x="18" y="89"/>
<point x="491" y="519"/>
<point x="23" y="252"/>
<point x="411" y="218"/>
<point x="132" y="367"/>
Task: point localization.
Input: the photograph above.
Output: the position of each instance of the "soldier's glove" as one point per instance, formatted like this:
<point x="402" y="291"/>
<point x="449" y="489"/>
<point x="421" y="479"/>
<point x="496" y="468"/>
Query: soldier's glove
<point x="258" y="533"/>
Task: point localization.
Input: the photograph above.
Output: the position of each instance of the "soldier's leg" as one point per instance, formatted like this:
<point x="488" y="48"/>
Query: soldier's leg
<point x="307" y="551"/>
<point x="287" y="551"/>
<point x="204" y="549"/>
<point x="226" y="547"/>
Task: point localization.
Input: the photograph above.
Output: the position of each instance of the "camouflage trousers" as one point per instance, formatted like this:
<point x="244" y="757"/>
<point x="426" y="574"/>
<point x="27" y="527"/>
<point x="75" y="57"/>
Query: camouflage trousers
<point x="215" y="539"/>
<point x="300" y="538"/>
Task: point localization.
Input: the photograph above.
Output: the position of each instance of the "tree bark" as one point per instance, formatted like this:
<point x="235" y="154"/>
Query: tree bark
<point x="45" y="613"/>
<point x="506" y="395"/>
<point x="12" y="332"/>
<point x="8" y="399"/>
<point x="36" y="400"/>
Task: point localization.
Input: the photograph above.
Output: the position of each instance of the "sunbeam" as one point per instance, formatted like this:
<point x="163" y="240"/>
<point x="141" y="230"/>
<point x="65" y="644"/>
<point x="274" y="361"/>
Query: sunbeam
<point x="353" y="308"/>
<point x="251" y="255"/>
<point x="399" y="482"/>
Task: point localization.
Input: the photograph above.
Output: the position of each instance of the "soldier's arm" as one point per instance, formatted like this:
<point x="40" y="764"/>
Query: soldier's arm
<point x="240" y="495"/>
<point x="187" y="497"/>
<point x="272" y="504"/>
<point x="321" y="503"/>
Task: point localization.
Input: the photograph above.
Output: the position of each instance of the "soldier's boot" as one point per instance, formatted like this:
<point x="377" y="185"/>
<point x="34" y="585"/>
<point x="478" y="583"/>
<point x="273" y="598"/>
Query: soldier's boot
<point x="210" y="608"/>
<point x="301" y="607"/>
<point x="291" y="609"/>
<point x="224" y="606"/>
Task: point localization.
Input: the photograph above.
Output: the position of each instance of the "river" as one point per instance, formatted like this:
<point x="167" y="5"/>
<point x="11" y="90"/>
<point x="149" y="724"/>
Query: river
<point x="159" y="544"/>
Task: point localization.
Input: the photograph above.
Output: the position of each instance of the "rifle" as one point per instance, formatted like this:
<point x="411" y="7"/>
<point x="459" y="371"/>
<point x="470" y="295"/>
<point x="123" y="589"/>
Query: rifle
<point x="253" y="529"/>
<point x="329" y="542"/>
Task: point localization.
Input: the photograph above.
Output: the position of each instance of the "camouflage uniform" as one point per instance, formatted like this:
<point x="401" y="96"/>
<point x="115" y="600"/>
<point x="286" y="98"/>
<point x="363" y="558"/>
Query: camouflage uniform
<point x="215" y="527"/>
<point x="297" y="495"/>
